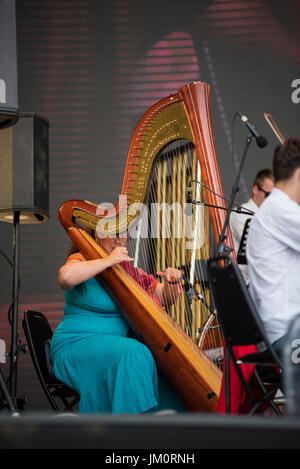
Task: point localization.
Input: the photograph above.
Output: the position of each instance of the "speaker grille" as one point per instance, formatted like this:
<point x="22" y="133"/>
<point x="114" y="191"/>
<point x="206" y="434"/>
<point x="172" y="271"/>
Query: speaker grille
<point x="24" y="170"/>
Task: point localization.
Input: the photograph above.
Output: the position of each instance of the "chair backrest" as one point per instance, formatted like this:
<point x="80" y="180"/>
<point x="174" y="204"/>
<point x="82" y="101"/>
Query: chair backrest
<point x="38" y="332"/>
<point x="236" y="310"/>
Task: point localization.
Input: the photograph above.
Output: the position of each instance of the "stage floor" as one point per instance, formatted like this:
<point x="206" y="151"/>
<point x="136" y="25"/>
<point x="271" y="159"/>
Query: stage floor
<point x="148" y="432"/>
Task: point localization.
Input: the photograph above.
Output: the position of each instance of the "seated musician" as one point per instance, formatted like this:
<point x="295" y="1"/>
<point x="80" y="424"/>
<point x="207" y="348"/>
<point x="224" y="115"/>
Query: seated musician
<point x="92" y="350"/>
<point x="262" y="185"/>
<point x="273" y="247"/>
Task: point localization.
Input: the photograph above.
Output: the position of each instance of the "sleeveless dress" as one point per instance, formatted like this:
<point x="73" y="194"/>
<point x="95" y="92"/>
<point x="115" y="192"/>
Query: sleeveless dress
<point x="92" y="353"/>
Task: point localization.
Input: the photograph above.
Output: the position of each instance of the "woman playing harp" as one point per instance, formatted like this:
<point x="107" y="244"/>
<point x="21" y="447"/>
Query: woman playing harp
<point x="170" y="333"/>
<point x="93" y="350"/>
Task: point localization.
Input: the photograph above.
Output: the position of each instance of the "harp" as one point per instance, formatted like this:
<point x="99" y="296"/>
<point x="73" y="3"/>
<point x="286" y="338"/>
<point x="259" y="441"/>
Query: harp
<point x="157" y="174"/>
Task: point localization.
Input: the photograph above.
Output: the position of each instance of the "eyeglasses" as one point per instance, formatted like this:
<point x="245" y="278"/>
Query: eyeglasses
<point x="262" y="190"/>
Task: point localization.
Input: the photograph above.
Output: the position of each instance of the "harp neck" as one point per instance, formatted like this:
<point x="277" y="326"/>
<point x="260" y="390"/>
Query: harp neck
<point x="182" y="116"/>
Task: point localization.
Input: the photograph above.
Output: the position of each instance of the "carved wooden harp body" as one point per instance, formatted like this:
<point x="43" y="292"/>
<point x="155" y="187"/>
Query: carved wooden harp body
<point x="182" y="116"/>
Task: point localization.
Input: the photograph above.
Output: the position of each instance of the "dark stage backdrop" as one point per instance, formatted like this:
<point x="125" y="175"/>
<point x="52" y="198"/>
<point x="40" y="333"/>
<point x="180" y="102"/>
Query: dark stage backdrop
<point x="92" y="67"/>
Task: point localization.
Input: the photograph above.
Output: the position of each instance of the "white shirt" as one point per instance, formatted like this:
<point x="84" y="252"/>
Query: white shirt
<point x="273" y="254"/>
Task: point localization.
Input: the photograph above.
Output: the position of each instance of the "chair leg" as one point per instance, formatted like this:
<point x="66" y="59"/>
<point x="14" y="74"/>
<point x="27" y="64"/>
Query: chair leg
<point x="256" y="403"/>
<point x="6" y="394"/>
<point x="242" y="378"/>
<point x="68" y="405"/>
<point x="268" y="394"/>
<point x="227" y="380"/>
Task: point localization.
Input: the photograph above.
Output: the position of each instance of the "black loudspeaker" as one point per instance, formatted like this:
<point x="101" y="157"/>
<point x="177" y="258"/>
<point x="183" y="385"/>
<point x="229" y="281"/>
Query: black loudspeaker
<point x="24" y="170"/>
<point x="8" y="64"/>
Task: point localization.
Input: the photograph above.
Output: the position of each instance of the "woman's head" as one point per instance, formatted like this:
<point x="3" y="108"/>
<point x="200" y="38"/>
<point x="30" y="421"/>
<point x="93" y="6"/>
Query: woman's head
<point x="111" y="243"/>
<point x="108" y="243"/>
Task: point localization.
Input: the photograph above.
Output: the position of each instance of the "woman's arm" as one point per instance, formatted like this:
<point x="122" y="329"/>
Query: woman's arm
<point x="76" y="271"/>
<point x="168" y="292"/>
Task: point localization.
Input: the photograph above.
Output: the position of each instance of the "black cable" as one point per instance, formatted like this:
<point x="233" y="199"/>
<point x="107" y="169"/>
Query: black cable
<point x="13" y="302"/>
<point x="18" y="289"/>
<point x="237" y="114"/>
<point x="6" y="258"/>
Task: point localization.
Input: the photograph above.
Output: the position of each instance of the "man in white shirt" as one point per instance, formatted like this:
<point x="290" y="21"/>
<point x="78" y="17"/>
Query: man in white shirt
<point x="273" y="247"/>
<point x="261" y="188"/>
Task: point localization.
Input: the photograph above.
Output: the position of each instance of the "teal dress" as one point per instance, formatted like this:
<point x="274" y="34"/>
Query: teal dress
<point x="92" y="353"/>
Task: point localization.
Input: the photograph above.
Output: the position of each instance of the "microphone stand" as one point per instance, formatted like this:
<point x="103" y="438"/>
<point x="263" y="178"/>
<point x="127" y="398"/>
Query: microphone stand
<point x="190" y="292"/>
<point x="241" y="210"/>
<point x="223" y="248"/>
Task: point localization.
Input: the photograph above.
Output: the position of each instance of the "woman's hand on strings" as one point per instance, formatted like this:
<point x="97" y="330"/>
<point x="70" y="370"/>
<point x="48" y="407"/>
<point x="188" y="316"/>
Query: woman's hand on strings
<point x="168" y="292"/>
<point x="171" y="275"/>
<point x="119" y="254"/>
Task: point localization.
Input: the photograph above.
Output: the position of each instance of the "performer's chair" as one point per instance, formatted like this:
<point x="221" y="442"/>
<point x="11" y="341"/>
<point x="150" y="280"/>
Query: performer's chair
<point x="38" y="334"/>
<point x="241" y="326"/>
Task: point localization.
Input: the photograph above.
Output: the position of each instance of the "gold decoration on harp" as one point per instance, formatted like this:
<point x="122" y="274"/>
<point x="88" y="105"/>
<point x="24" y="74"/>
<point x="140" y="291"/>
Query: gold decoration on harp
<point x="166" y="125"/>
<point x="86" y="218"/>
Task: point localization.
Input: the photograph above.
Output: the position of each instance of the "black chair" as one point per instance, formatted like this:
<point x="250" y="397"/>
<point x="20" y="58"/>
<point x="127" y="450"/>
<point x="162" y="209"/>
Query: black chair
<point x="38" y="334"/>
<point x="241" y="326"/>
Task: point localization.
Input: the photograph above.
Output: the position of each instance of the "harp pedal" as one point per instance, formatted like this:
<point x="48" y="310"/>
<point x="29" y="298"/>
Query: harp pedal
<point x="168" y="346"/>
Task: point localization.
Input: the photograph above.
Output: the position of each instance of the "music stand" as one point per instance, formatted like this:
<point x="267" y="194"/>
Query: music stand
<point x="241" y="255"/>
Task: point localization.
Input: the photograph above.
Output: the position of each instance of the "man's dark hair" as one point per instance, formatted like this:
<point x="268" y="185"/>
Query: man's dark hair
<point x="286" y="159"/>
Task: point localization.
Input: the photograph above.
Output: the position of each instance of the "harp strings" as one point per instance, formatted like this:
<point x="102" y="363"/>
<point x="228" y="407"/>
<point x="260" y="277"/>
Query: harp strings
<point x="179" y="235"/>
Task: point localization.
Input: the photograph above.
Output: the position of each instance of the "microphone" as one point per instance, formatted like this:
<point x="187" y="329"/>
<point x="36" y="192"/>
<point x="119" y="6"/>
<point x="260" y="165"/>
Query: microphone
<point x="260" y="140"/>
<point x="188" y="209"/>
